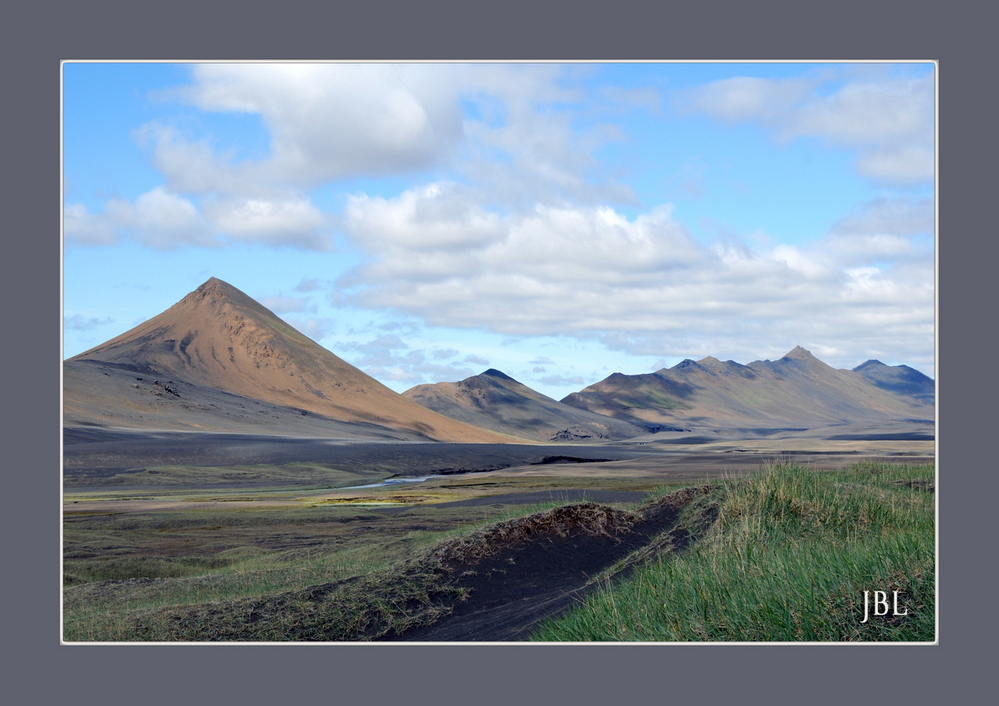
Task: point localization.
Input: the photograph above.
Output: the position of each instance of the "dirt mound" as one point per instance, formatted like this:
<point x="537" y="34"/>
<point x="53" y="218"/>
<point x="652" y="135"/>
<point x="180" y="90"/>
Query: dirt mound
<point x="517" y="573"/>
<point x="495" y="584"/>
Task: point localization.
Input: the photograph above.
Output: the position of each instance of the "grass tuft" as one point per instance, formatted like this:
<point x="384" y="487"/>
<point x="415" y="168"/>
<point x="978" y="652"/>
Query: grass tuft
<point x="787" y="559"/>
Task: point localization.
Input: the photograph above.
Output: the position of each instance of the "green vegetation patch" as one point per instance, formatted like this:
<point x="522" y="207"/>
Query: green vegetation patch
<point x="788" y="558"/>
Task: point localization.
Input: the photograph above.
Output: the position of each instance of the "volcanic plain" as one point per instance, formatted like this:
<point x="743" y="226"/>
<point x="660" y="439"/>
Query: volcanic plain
<point x="226" y="478"/>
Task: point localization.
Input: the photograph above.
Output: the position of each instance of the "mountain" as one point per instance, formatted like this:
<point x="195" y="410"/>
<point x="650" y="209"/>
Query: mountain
<point x="219" y="360"/>
<point x="494" y="400"/>
<point x="798" y="390"/>
<point x="900" y="379"/>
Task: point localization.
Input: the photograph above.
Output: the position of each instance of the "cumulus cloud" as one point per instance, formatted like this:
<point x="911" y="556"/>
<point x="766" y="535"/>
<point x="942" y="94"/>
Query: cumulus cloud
<point x="888" y="119"/>
<point x="157" y="218"/>
<point x="329" y="121"/>
<point x="85" y="228"/>
<point x="388" y="357"/>
<point x="165" y="220"/>
<point x="644" y="285"/>
<point x="292" y="220"/>
<point x="518" y="256"/>
<point x="487" y="124"/>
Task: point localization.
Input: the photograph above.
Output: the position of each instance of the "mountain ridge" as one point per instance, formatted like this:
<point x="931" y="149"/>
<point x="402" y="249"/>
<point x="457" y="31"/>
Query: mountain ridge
<point x="796" y="389"/>
<point x="494" y="400"/>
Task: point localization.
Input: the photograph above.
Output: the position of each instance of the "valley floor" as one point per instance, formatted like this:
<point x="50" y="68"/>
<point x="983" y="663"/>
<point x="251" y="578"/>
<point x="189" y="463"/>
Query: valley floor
<point x="154" y="531"/>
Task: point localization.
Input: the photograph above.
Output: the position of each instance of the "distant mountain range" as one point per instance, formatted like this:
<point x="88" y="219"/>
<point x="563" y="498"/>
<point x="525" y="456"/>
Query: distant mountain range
<point x="218" y="360"/>
<point x="494" y="400"/>
<point x="798" y="390"/>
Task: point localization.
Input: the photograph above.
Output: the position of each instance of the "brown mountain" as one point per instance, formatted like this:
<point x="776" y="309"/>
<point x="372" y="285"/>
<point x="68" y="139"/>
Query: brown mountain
<point x="494" y="400"/>
<point x="219" y="360"/>
<point x="798" y="390"/>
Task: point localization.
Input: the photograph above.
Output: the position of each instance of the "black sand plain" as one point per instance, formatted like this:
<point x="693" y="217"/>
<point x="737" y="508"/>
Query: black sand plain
<point x="299" y="497"/>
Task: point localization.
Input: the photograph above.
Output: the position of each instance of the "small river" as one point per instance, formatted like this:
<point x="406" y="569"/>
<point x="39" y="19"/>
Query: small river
<point x="391" y="481"/>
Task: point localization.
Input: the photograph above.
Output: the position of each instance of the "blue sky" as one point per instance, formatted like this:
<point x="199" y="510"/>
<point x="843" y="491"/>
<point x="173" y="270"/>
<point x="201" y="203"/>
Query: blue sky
<point x="559" y="222"/>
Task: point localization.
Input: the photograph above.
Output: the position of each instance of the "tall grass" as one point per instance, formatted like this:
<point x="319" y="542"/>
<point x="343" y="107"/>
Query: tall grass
<point x="788" y="559"/>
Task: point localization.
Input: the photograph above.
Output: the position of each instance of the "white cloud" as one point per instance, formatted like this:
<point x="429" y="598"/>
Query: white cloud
<point x="490" y="125"/>
<point x="85" y="228"/>
<point x="888" y="119"/>
<point x="388" y="357"/>
<point x="293" y="220"/>
<point x="164" y="220"/>
<point x="643" y="285"/>
<point x="157" y="218"/>
<point x="516" y="256"/>
<point x="329" y="121"/>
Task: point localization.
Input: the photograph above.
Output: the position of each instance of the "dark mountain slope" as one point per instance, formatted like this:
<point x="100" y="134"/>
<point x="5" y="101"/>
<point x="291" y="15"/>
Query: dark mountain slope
<point x="900" y="379"/>
<point x="494" y="400"/>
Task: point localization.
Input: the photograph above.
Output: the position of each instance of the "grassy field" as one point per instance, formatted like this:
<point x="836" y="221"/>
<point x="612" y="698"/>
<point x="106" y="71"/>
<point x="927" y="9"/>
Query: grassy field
<point x="788" y="559"/>
<point x="784" y="554"/>
<point x="125" y="569"/>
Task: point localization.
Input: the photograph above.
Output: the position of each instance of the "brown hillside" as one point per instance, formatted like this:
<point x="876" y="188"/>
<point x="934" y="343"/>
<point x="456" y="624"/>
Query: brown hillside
<point x="494" y="400"/>
<point x="219" y="338"/>
<point x="796" y="390"/>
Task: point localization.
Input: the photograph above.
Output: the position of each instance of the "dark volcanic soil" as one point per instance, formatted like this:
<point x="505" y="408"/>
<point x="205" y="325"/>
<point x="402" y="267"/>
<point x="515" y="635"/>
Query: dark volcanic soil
<point x="102" y="452"/>
<point x="524" y="582"/>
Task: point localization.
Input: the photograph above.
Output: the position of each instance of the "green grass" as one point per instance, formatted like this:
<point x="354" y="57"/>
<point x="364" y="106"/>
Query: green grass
<point x="193" y="575"/>
<point x="784" y="556"/>
<point x="788" y="559"/>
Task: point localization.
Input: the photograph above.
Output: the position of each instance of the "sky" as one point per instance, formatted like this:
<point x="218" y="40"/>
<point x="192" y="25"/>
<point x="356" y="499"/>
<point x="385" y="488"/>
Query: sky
<point x="557" y="222"/>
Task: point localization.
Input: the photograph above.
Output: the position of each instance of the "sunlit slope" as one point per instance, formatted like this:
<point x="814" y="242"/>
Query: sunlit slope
<point x="220" y="339"/>
<point x="796" y="390"/>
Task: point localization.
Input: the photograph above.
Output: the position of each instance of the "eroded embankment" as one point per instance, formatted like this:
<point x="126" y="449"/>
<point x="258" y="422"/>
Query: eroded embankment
<point x="514" y="574"/>
<point x="494" y="584"/>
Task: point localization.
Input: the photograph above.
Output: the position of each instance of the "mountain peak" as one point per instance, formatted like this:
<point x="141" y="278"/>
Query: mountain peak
<point x="214" y="285"/>
<point x="219" y="338"/>
<point x="214" y="288"/>
<point x="494" y="373"/>
<point x="799" y="353"/>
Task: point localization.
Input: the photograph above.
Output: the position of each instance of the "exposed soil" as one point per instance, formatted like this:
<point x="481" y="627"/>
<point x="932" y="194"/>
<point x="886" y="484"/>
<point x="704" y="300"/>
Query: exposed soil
<point x="544" y="570"/>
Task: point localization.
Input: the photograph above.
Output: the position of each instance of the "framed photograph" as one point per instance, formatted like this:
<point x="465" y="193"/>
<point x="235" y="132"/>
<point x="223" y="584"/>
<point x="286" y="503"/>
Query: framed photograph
<point x="531" y="352"/>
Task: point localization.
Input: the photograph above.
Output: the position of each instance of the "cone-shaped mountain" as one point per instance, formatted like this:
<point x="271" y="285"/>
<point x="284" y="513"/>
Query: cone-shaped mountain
<point x="217" y="338"/>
